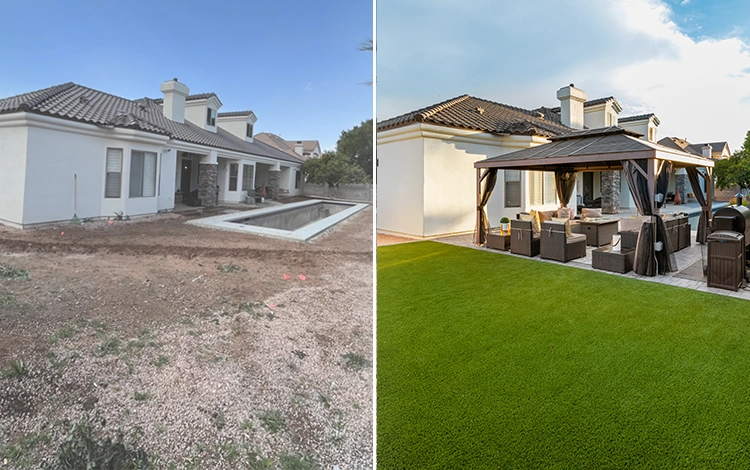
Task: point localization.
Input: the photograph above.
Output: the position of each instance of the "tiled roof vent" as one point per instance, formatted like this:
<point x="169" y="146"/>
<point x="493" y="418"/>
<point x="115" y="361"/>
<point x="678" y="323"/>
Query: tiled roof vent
<point x="479" y="110"/>
<point x="540" y="115"/>
<point x="83" y="100"/>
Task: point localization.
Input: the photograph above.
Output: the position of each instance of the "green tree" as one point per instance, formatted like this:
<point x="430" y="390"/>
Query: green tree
<point x="333" y="169"/>
<point x="736" y="169"/>
<point x="356" y="146"/>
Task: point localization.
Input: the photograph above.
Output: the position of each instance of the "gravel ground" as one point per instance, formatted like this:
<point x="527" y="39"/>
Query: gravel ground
<point x="208" y="349"/>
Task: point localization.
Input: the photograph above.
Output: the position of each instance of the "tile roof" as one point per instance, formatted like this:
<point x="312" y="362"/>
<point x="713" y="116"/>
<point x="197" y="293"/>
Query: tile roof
<point x="275" y="141"/>
<point x="197" y="96"/>
<point x="78" y="103"/>
<point x="640" y="117"/>
<point x="593" y="102"/>
<point x="695" y="149"/>
<point x="235" y="113"/>
<point x="467" y="112"/>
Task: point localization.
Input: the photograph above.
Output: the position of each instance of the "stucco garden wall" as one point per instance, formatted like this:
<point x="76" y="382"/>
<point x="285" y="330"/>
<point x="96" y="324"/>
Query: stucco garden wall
<point x="345" y="192"/>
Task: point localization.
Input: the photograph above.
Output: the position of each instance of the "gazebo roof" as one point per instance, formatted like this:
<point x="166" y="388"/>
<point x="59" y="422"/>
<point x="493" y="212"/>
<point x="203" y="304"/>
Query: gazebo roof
<point x="592" y="150"/>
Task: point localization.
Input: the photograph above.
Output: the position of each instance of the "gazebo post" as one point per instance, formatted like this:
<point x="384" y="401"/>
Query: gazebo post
<point x="479" y="201"/>
<point x="709" y="194"/>
<point x="651" y="177"/>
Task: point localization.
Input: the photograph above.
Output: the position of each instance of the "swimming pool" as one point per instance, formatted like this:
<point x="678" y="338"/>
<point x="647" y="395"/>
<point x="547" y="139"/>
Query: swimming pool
<point x="299" y="221"/>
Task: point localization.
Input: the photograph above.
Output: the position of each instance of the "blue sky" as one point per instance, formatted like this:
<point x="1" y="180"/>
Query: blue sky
<point x="295" y="63"/>
<point x="687" y="61"/>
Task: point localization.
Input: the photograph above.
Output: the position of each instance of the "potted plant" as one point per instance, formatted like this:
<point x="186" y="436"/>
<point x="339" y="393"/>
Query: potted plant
<point x="504" y="224"/>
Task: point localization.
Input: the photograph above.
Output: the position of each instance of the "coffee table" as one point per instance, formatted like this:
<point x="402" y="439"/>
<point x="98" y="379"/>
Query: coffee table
<point x="497" y="240"/>
<point x="599" y="232"/>
<point x="615" y="261"/>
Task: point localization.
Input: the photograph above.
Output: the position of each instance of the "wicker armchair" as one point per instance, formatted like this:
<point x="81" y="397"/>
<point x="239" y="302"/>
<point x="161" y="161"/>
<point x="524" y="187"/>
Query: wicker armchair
<point x="523" y="240"/>
<point x="556" y="245"/>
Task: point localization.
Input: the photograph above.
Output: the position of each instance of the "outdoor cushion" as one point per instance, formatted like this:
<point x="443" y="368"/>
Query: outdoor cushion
<point x="565" y="212"/>
<point x="586" y="212"/>
<point x="534" y="221"/>
<point x="566" y="222"/>
<point x="544" y="216"/>
<point x="575" y="238"/>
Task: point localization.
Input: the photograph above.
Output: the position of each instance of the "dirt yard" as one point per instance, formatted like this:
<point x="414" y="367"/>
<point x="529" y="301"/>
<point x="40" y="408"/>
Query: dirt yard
<point x="205" y="348"/>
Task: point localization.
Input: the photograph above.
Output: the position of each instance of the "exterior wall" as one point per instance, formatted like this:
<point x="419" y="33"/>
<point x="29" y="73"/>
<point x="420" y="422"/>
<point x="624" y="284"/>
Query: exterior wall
<point x="195" y="112"/>
<point x="444" y="200"/>
<point x="640" y="127"/>
<point x="400" y="186"/>
<point x="166" y="184"/>
<point x="345" y="192"/>
<point x="235" y="125"/>
<point x="13" y="141"/>
<point x="65" y="174"/>
<point x="285" y="182"/>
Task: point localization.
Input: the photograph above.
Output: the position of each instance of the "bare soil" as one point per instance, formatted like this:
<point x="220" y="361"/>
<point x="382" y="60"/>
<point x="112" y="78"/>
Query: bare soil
<point x="207" y="348"/>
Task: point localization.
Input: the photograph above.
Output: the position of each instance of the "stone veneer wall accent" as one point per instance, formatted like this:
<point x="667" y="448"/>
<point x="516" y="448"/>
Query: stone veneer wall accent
<point x="681" y="184"/>
<point x="207" y="179"/>
<point x="610" y="192"/>
<point x="273" y="184"/>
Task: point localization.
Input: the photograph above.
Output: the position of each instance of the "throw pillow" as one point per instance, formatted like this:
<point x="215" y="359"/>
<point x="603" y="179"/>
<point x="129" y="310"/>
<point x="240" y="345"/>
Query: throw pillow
<point x="565" y="212"/>
<point x="565" y="221"/>
<point x="531" y="217"/>
<point x="586" y="212"/>
<point x="544" y="216"/>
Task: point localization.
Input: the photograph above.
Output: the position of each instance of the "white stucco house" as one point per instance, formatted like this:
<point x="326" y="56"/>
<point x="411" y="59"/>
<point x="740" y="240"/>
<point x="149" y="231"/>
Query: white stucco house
<point x="71" y="150"/>
<point x="426" y="182"/>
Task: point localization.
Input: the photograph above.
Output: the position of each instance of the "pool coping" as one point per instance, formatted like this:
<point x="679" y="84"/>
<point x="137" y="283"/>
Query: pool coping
<point x="303" y="234"/>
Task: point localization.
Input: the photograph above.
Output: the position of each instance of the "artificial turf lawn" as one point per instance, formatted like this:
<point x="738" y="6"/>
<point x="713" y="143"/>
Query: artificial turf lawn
<point x="492" y="361"/>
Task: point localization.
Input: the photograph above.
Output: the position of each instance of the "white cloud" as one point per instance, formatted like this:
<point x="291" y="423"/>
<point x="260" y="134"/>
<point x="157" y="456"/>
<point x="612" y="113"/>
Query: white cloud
<point x="520" y="54"/>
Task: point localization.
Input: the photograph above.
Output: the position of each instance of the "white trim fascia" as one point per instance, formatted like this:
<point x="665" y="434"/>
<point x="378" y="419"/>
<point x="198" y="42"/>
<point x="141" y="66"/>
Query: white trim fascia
<point x="82" y="128"/>
<point x="431" y="131"/>
<point x="683" y="158"/>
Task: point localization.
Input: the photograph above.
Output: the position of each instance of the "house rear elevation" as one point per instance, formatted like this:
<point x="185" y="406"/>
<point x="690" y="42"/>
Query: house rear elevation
<point x="71" y="150"/>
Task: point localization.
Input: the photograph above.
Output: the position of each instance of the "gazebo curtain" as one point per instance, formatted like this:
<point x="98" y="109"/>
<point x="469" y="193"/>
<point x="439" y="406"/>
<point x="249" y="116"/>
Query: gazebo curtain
<point x="565" y="182"/>
<point x="694" y="178"/>
<point x="647" y="260"/>
<point x="662" y="182"/>
<point x="483" y="225"/>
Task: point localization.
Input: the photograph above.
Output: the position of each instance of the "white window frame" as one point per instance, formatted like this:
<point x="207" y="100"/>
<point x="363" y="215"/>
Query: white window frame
<point x="234" y="179"/>
<point x="512" y="183"/>
<point x="113" y="167"/>
<point x="140" y="164"/>
<point x="211" y="117"/>
<point x="248" y="176"/>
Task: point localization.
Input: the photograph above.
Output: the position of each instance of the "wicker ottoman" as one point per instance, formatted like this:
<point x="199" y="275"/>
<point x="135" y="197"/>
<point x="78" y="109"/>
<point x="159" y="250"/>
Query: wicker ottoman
<point x="615" y="261"/>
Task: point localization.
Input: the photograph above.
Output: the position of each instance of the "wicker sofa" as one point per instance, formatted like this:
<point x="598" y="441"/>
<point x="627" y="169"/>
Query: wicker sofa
<point x="557" y="245"/>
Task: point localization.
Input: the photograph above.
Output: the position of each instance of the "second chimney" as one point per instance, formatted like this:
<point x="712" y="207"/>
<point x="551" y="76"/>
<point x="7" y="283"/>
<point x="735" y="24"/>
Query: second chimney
<point x="571" y="106"/>
<point x="707" y="149"/>
<point x="174" y="99"/>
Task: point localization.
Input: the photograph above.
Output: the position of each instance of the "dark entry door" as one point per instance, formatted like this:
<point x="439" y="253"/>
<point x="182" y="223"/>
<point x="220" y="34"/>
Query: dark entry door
<point x="187" y="176"/>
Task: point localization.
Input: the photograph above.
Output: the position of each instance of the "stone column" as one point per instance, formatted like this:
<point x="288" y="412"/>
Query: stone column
<point x="681" y="183"/>
<point x="274" y="176"/>
<point x="207" y="179"/>
<point x="610" y="192"/>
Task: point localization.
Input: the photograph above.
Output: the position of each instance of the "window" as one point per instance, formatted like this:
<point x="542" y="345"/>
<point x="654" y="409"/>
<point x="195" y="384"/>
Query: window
<point x="542" y="187"/>
<point x="211" y="117"/>
<point x="249" y="130"/>
<point x="512" y="188"/>
<point x="142" y="174"/>
<point x="297" y="178"/>
<point x="113" y="181"/>
<point x="233" y="168"/>
<point x="247" y="177"/>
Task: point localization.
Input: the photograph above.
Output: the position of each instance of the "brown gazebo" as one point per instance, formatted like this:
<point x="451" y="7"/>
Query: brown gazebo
<point x="647" y="167"/>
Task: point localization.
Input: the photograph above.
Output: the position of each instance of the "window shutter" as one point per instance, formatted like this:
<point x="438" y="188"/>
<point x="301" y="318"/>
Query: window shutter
<point x="549" y="188"/>
<point x="149" y="175"/>
<point x="512" y="188"/>
<point x="136" y="174"/>
<point x="113" y="181"/>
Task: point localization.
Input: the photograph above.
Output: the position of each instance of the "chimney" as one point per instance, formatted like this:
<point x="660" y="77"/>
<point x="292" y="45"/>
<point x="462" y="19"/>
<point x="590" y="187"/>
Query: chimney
<point x="298" y="148"/>
<point x="707" y="150"/>
<point x="174" y="99"/>
<point x="571" y="106"/>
